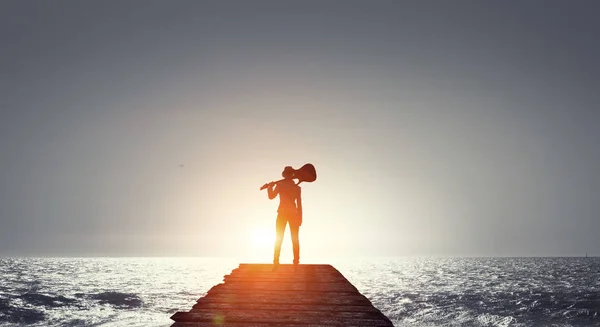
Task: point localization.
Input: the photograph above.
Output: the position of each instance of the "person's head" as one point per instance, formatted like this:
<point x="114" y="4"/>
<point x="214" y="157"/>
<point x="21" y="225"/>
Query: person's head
<point x="288" y="172"/>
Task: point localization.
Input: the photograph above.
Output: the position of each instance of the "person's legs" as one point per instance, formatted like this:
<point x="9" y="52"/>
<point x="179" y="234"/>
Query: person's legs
<point x="279" y="232"/>
<point x="294" y="231"/>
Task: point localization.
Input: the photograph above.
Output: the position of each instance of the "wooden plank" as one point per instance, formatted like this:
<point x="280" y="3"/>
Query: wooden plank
<point x="281" y="272"/>
<point x="270" y="276"/>
<point x="289" y="274"/>
<point x="299" y="287"/>
<point x="226" y="289"/>
<point x="288" y="268"/>
<point x="321" y="299"/>
<point x="234" y="293"/>
<point x="246" y="324"/>
<point x="263" y="264"/>
<point x="293" y="273"/>
<point x="283" y="306"/>
<point x="277" y="274"/>
<point x="249" y="315"/>
<point x="278" y="279"/>
<point x="261" y="282"/>
<point x="285" y="265"/>
<point x="316" y="317"/>
<point x="282" y="279"/>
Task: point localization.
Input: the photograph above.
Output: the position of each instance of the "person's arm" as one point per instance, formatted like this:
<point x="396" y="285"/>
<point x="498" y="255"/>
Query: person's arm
<point x="272" y="192"/>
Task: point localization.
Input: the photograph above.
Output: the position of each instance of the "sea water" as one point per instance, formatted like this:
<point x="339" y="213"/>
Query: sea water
<point x="410" y="291"/>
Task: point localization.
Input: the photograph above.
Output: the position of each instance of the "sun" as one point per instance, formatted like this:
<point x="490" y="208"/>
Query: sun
<point x="262" y="237"/>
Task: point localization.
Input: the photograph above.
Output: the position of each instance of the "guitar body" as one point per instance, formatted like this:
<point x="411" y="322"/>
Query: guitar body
<point x="306" y="173"/>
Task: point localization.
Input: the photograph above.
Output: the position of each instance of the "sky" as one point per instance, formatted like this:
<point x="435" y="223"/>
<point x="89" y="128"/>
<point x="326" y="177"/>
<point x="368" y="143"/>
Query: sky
<point x="437" y="128"/>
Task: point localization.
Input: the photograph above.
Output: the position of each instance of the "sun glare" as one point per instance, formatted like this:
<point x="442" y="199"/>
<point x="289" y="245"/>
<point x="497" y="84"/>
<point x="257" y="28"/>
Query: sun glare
<point x="262" y="237"/>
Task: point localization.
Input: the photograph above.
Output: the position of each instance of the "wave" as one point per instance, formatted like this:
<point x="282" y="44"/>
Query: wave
<point x="118" y="299"/>
<point x="115" y="299"/>
<point x="30" y="307"/>
<point x="495" y="308"/>
<point x="45" y="300"/>
<point x="17" y="315"/>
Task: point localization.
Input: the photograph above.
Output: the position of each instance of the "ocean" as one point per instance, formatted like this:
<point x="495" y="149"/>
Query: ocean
<point x="410" y="291"/>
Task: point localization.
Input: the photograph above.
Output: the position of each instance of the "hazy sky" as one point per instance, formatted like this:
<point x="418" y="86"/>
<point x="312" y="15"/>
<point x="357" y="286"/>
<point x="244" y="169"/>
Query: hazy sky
<point x="436" y="127"/>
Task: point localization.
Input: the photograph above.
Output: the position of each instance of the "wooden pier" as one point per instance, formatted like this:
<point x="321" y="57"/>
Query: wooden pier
<point x="255" y="296"/>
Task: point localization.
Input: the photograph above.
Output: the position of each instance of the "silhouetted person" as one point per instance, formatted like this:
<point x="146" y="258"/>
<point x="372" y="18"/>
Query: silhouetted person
<point x="289" y="211"/>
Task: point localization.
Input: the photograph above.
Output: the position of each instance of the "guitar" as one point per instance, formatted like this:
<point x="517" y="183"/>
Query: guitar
<point x="306" y="173"/>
